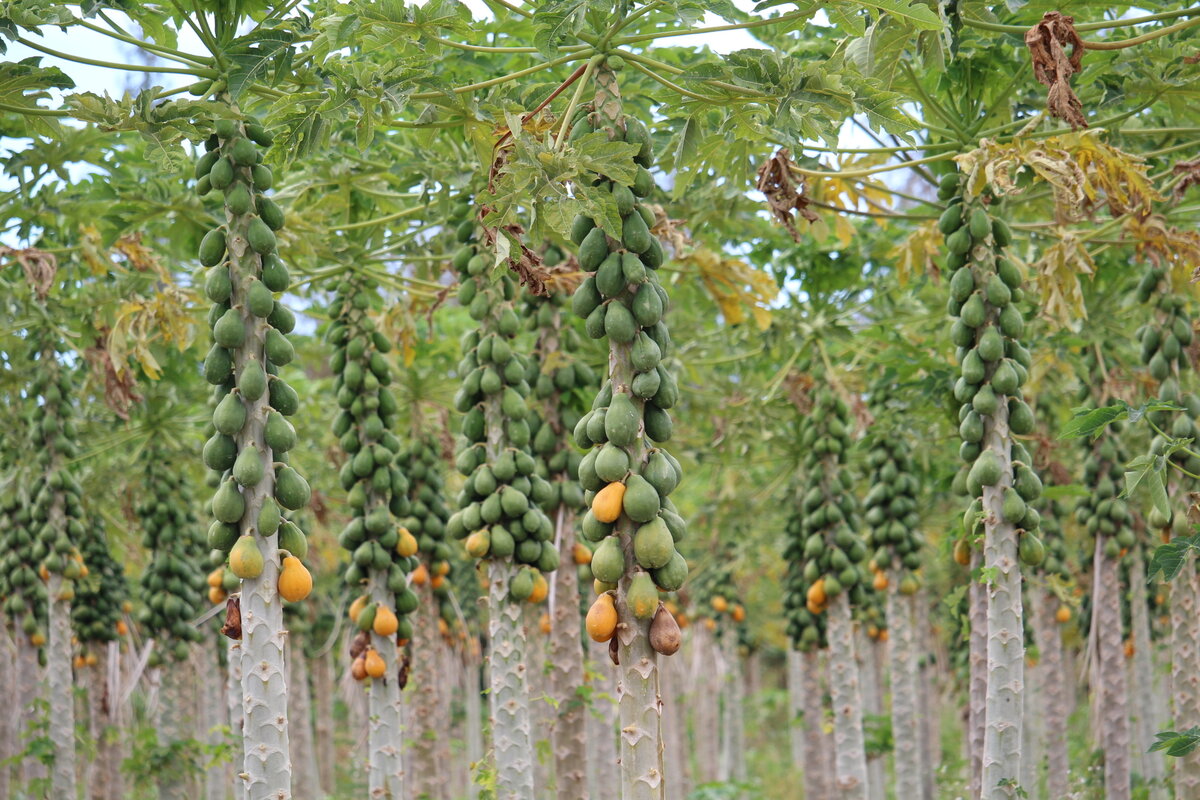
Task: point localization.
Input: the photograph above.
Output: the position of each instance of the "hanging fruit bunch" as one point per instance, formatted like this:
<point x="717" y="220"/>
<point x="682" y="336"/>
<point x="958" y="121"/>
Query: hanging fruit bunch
<point x="382" y="552"/>
<point x="425" y="522"/>
<point x="891" y="503"/>
<point x="172" y="585"/>
<point x="713" y="593"/>
<point x="1164" y="350"/>
<point x="985" y="288"/>
<point x="499" y="514"/>
<point x="99" y="596"/>
<point x="249" y="327"/>
<point x="23" y="595"/>
<point x="627" y="474"/>
<point x="57" y="517"/>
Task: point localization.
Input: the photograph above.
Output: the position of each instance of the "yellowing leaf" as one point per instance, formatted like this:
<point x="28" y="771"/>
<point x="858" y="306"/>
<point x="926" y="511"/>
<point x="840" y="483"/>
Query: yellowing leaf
<point x="1166" y="246"/>
<point x="735" y="286"/>
<point x="915" y="255"/>
<point x="1056" y="276"/>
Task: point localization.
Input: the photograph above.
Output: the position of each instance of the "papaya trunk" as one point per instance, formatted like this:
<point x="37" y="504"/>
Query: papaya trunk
<point x="902" y="663"/>
<point x="733" y="702"/>
<point x="816" y="773"/>
<point x="1032" y="744"/>
<point x="977" y="667"/>
<point x="1049" y="641"/>
<point x="602" y="729"/>
<point x="704" y="704"/>
<point x="872" y="704"/>
<point x="33" y="686"/>
<point x="509" y="696"/>
<point x="930" y="731"/>
<point x="305" y="780"/>
<point x="428" y="739"/>
<point x="1145" y="679"/>
<point x="1185" y="670"/>
<point x="214" y="713"/>
<point x="1112" y="694"/>
<point x="1005" y="632"/>
<point x="324" y="687"/>
<point x="172" y="725"/>
<point x="385" y="770"/>
<point x="233" y="688"/>
<point x="795" y="687"/>
<point x="10" y="722"/>
<point x="474" y="710"/>
<point x="639" y="707"/>
<point x="566" y="667"/>
<point x="59" y="683"/>
<point x="676" y="751"/>
<point x="850" y="759"/>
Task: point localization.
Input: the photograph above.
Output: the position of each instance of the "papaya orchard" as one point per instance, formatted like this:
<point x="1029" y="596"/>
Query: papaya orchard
<point x="647" y="401"/>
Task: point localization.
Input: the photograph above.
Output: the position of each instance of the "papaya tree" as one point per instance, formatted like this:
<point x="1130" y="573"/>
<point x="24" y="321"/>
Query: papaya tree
<point x="382" y="552"/>
<point x="891" y="512"/>
<point x="626" y="472"/>
<point x="252" y="436"/>
<point x="559" y="378"/>
<point x="985" y="286"/>
<point x="499" y="516"/>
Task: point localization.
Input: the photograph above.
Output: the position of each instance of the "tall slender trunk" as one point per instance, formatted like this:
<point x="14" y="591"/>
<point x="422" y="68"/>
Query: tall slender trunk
<point x="173" y="725"/>
<point x="509" y="697"/>
<point x="10" y="696"/>
<point x="95" y="680"/>
<point x="214" y="712"/>
<point x="474" y="713"/>
<point x="796" y="721"/>
<point x="1145" y="680"/>
<point x="850" y="760"/>
<point x="541" y="714"/>
<point x="817" y="782"/>
<point x="1185" y="671"/>
<point x="385" y="769"/>
<point x="324" y="687"/>
<point x="427" y="775"/>
<point x="733" y="745"/>
<point x="902" y="663"/>
<point x="977" y="667"/>
<point x="602" y="731"/>
<point x="929" y="699"/>
<point x="869" y="679"/>
<point x="1045" y="629"/>
<point x="1112" y="692"/>
<point x="704" y="703"/>
<point x="61" y="688"/>
<point x="569" y="733"/>
<point x="1032" y="745"/>
<point x="236" y="709"/>
<point x="676" y="750"/>
<point x="33" y="687"/>
<point x="305" y="779"/>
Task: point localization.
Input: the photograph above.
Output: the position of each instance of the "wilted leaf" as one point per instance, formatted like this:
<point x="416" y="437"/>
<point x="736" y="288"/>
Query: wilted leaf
<point x="916" y="255"/>
<point x="1053" y="67"/>
<point x="1056" y="275"/>
<point x="736" y="286"/>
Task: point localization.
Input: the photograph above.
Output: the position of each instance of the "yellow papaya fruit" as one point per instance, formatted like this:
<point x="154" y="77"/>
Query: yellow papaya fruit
<point x="374" y="663"/>
<point x="245" y="559"/>
<point x="295" y="581"/>
<point x="642" y="596"/>
<point x="606" y="506"/>
<point x="386" y="623"/>
<point x="601" y="620"/>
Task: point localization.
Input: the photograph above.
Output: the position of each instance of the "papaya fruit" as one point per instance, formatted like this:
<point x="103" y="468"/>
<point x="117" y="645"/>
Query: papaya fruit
<point x="374" y="664"/>
<point x="608" y="561"/>
<point x="295" y="581"/>
<point x="642" y="596"/>
<point x="641" y="501"/>
<point x="608" y="503"/>
<point x="601" y="622"/>
<point x="665" y="636"/>
<point x="245" y="559"/>
<point x="622" y="421"/>
<point x="653" y="545"/>
<point x="671" y="577"/>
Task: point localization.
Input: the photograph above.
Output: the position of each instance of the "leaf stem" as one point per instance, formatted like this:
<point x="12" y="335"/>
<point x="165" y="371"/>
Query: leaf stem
<point x="561" y="139"/>
<point x="757" y="23"/>
<point x="163" y="52"/>
<point x="408" y="212"/>
<point x="206" y="73"/>
<point x="863" y="173"/>
<point x="33" y="111"/>
<point x="521" y="73"/>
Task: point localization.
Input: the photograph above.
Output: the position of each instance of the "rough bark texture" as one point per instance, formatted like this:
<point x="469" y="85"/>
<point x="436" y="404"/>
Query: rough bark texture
<point x="1112" y="693"/>
<point x="733" y="700"/>
<point x="385" y="768"/>
<point x="1145" y="679"/>
<point x="509" y="697"/>
<point x="305" y="780"/>
<point x="428" y="744"/>
<point x="568" y="737"/>
<point x="902" y="663"/>
<point x="323" y="689"/>
<point x="704" y="694"/>
<point x="172" y="726"/>
<point x="1005" y="632"/>
<point x="602" y="729"/>
<point x="474" y="714"/>
<point x="977" y="667"/>
<point x="930" y="705"/>
<point x="871" y="680"/>
<point x="59" y="683"/>
<point x="816" y="774"/>
<point x="1185" y="671"/>
<point x="32" y="687"/>
<point x="676" y="750"/>
<point x="213" y="712"/>
<point x="795" y="687"/>
<point x="850" y="760"/>
<point x="1049" y="642"/>
<point x="10" y="722"/>
<point x="1034" y="733"/>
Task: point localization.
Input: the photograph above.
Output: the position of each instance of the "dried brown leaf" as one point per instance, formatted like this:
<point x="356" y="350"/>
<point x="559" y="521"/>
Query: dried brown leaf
<point x="1190" y="170"/>
<point x="1053" y="67"/>
<point x="40" y="267"/>
<point x="120" y="385"/>
<point x="233" y="619"/>
<point x="783" y="196"/>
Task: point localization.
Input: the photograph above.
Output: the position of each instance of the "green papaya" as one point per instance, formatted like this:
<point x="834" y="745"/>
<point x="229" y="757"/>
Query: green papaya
<point x="986" y="469"/>
<point x="973" y="312"/>
<point x="260" y="236"/>
<point x="280" y="351"/>
<point x="611" y="463"/>
<point x="230" y="415"/>
<point x="580" y="228"/>
<point x="653" y="545"/>
<point x="640" y="502"/>
<point x="610" y="278"/>
<point x="671" y="577"/>
<point x="950" y="220"/>
<point x="991" y="345"/>
<point x="230" y="330"/>
<point x="248" y="469"/>
<point x="291" y="490"/>
<point x="253" y="381"/>
<point x="619" y="324"/>
<point x="228" y="505"/>
<point x="217" y="284"/>
<point x="635" y="234"/>
<point x="608" y="562"/>
<point x="220" y="452"/>
<point x="1013" y="507"/>
<point x="593" y="250"/>
<point x="259" y="299"/>
<point x="622" y="422"/>
<point x="658" y="423"/>
<point x="642" y="596"/>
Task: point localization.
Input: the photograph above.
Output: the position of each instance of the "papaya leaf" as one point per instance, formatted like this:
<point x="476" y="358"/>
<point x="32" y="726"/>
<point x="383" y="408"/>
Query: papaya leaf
<point x="917" y="15"/>
<point x="253" y="55"/>
<point x="1177" y="744"/>
<point x="1091" y="422"/>
<point x="1149" y="468"/>
<point x="1170" y="557"/>
<point x="555" y="22"/>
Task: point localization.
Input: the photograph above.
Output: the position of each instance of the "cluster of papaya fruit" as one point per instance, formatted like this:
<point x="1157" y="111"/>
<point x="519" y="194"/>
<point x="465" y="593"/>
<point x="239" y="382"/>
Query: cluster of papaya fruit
<point x="499" y="508"/>
<point x="22" y="594"/>
<point x="891" y="504"/>
<point x="985" y="288"/>
<point x="825" y="554"/>
<point x="383" y="552"/>
<point x="1165" y="340"/>
<point x="713" y="593"/>
<point x="55" y="489"/>
<point x="100" y="596"/>
<point x="252" y="435"/>
<point x="626" y="474"/>
<point x="1057" y="562"/>
<point x="172" y="584"/>
<point x="1103" y="512"/>
<point x="426" y="519"/>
